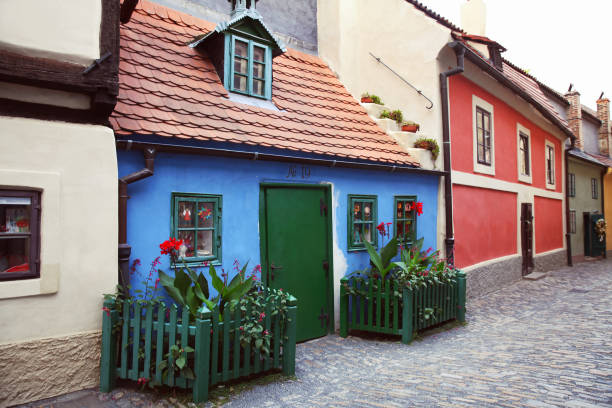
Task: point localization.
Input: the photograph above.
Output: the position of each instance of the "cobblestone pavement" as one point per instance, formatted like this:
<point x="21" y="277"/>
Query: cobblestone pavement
<point x="533" y="344"/>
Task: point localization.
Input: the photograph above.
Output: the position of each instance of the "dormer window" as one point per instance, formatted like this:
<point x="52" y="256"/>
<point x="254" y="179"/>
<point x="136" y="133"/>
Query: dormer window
<point x="251" y="70"/>
<point x="242" y="50"/>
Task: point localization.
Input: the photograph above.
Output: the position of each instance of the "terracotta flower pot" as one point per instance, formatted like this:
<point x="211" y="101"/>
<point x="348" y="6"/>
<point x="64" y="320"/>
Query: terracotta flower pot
<point x="410" y="128"/>
<point x="366" y="99"/>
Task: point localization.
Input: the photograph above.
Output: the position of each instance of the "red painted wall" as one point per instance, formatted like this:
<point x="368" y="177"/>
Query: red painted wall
<point x="485" y="224"/>
<point x="505" y="120"/>
<point x="548" y="222"/>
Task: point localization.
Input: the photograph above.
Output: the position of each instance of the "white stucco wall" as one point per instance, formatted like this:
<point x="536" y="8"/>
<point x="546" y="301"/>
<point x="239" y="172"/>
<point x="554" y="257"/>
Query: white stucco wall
<point x="76" y="167"/>
<point x="67" y="30"/>
<point x="406" y="40"/>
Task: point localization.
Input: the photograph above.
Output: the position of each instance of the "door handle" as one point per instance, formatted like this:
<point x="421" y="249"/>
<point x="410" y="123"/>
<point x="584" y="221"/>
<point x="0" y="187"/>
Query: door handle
<point x="273" y="268"/>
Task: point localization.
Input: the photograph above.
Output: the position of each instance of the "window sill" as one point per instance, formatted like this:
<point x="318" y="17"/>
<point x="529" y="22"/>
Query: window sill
<point x="551" y="186"/>
<point x="484" y="169"/>
<point x="525" y="179"/>
<point x="196" y="264"/>
<point x="48" y="283"/>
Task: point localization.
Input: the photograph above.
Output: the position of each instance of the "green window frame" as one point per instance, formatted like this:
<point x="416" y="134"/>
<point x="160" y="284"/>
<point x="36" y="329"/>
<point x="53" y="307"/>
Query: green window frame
<point x="250" y="67"/>
<point x="196" y="219"/>
<point x="404" y="222"/>
<point x="362" y="218"/>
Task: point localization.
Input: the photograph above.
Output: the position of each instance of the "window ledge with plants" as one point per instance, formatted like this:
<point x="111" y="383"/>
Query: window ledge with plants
<point x="201" y="340"/>
<point x="402" y="297"/>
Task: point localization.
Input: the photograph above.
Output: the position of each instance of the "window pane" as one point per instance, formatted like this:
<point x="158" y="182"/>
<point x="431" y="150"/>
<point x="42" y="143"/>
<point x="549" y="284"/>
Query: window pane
<point x="400" y="209"/>
<point x="241" y="48"/>
<point x="400" y="230"/>
<point x="15" y="255"/>
<point x="408" y="228"/>
<point x="186" y="250"/>
<point x="486" y="122"/>
<point x="15" y="214"/>
<point x="259" y="54"/>
<point x="367" y="232"/>
<point x="480" y="153"/>
<point x="478" y="119"/>
<point x="487" y="156"/>
<point x="258" y="87"/>
<point x="240" y="83"/>
<point x="357" y="206"/>
<point x="357" y="233"/>
<point x="480" y="136"/>
<point x="186" y="214"/>
<point x="367" y="211"/>
<point x="206" y="213"/>
<point x="241" y="65"/>
<point x="258" y="70"/>
<point x="205" y="243"/>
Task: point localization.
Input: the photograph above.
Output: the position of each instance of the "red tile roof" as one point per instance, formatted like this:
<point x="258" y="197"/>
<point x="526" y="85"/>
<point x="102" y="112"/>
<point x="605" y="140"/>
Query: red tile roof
<point x="602" y="159"/>
<point x="169" y="89"/>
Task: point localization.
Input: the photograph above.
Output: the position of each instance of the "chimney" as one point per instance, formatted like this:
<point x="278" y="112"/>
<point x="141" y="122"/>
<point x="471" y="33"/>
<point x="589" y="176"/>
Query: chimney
<point x="239" y="6"/>
<point x="474" y="17"/>
<point x="603" y="113"/>
<point x="574" y="117"/>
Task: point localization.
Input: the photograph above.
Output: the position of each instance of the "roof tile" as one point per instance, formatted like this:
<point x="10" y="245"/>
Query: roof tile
<point x="171" y="90"/>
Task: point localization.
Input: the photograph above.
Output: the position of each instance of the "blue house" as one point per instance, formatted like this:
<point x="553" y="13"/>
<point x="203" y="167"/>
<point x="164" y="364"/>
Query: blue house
<point x="251" y="151"/>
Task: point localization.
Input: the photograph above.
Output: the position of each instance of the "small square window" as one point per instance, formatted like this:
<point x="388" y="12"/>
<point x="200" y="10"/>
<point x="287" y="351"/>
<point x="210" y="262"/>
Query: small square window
<point x="404" y="215"/>
<point x="362" y="217"/>
<point x="594" y="192"/>
<point x="196" y="219"/>
<point x="19" y="234"/>
<point x="251" y="70"/>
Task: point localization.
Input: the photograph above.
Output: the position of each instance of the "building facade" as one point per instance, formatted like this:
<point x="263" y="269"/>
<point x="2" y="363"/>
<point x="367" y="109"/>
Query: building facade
<point x="58" y="193"/>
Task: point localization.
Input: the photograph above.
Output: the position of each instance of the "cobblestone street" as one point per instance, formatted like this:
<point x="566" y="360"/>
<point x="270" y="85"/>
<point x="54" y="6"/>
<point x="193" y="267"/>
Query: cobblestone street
<point x="535" y="343"/>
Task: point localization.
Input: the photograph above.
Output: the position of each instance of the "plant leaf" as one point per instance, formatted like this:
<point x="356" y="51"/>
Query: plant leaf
<point x="203" y="285"/>
<point x="181" y="281"/>
<point x="192" y="301"/>
<point x="388" y="252"/>
<point x="168" y="284"/>
<point x="216" y="281"/>
<point x="180" y="362"/>
<point x="188" y="373"/>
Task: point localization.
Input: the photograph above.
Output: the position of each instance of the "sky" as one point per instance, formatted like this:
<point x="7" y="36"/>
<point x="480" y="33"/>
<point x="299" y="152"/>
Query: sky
<point x="557" y="41"/>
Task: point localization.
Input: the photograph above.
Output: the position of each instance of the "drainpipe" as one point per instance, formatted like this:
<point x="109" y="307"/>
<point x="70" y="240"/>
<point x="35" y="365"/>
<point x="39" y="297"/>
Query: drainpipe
<point x="448" y="184"/>
<point x="568" y="236"/>
<point x="124" y="249"/>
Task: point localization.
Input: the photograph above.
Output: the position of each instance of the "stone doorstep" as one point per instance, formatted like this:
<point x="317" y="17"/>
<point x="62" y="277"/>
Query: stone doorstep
<point x="535" y="276"/>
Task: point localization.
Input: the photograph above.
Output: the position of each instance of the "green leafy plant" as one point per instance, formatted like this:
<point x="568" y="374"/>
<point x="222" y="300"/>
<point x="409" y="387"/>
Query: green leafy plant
<point x="395" y="115"/>
<point x="429" y="144"/>
<point x="253" y="305"/>
<point x="374" y="98"/>
<point x="419" y="268"/>
<point x="176" y="360"/>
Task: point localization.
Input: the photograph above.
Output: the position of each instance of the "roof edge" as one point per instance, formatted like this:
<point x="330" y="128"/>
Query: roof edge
<point x="492" y="71"/>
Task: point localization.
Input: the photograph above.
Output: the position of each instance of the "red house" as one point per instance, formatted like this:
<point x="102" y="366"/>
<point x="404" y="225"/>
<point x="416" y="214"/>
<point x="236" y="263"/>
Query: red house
<point x="507" y="168"/>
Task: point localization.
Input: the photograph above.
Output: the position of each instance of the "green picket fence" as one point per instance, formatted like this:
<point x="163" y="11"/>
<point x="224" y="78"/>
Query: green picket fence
<point x="218" y="355"/>
<point x="376" y="308"/>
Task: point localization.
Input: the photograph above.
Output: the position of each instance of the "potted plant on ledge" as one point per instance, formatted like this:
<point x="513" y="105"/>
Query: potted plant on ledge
<point x="371" y="98"/>
<point x="429" y="144"/>
<point x="410" y="126"/>
<point x="395" y="115"/>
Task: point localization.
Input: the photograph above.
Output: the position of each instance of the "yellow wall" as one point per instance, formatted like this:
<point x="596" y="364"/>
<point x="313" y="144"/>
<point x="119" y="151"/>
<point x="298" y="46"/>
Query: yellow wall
<point x="608" y="207"/>
<point x="66" y="30"/>
<point x="58" y="316"/>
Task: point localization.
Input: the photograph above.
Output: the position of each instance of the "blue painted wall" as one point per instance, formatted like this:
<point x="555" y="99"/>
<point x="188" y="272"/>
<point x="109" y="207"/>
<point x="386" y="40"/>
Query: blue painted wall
<point x="238" y="181"/>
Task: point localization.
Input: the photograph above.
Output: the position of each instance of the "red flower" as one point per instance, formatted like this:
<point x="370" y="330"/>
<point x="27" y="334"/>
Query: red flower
<point x="168" y="246"/>
<point x="155" y="262"/>
<point x="419" y="208"/>
<point x="265" y="332"/>
<point x="22" y="223"/>
<point x="381" y="229"/>
<point x="156" y="282"/>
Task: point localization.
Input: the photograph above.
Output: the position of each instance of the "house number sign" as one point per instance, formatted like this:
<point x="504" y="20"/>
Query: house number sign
<point x="298" y="171"/>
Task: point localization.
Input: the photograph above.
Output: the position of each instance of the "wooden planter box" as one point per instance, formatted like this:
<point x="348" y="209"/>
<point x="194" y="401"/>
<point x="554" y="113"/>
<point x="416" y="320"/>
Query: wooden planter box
<point x="377" y="309"/>
<point x="218" y="355"/>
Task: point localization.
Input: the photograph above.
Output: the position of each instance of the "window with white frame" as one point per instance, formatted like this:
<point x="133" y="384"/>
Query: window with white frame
<point x="549" y="159"/>
<point x="483" y="136"/>
<point x="524" y="153"/>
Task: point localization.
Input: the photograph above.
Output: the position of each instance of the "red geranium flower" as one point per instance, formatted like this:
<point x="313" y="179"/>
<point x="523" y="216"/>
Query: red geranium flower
<point x="381" y="229"/>
<point x="419" y="208"/>
<point x="170" y="245"/>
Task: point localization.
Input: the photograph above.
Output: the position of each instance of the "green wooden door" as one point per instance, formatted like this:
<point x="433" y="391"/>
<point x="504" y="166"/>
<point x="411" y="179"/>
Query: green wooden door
<point x="295" y="250"/>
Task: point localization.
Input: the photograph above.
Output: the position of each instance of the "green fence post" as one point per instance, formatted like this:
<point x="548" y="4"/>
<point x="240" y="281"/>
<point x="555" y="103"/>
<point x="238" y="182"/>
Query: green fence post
<point x="461" y="287"/>
<point x="202" y="355"/>
<point x="108" y="358"/>
<point x="343" y="308"/>
<point x="407" y="311"/>
<point x="290" y="335"/>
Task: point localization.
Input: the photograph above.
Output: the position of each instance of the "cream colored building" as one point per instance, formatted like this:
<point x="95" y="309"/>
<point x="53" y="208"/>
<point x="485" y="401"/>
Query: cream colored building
<point x="58" y="193"/>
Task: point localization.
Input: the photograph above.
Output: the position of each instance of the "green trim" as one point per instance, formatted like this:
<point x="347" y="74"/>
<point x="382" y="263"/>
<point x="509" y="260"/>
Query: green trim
<point x="263" y="239"/>
<point x="352" y="198"/>
<point x="413" y="218"/>
<point x="230" y="55"/>
<point x="217" y="229"/>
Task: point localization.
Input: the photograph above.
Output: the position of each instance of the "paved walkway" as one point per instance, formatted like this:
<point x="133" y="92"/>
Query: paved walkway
<point x="536" y="343"/>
